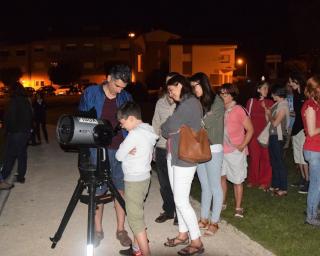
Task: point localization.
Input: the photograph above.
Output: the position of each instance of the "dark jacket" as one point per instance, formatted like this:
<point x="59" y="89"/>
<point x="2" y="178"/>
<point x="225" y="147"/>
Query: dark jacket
<point x="18" y="115"/>
<point x="39" y="111"/>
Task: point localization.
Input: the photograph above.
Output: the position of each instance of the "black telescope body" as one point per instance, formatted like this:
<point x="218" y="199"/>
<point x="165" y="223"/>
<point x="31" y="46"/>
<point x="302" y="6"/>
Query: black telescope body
<point x="77" y="130"/>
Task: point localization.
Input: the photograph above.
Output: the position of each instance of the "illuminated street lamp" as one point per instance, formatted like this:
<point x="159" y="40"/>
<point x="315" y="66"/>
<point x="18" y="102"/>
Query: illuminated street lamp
<point x="131" y="35"/>
<point x="240" y="62"/>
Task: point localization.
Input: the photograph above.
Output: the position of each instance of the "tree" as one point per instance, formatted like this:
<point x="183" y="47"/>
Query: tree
<point x="66" y="72"/>
<point x="10" y="75"/>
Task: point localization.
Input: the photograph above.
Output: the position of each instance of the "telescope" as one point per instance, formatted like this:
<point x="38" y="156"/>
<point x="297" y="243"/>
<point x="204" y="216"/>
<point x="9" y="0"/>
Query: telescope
<point x="91" y="136"/>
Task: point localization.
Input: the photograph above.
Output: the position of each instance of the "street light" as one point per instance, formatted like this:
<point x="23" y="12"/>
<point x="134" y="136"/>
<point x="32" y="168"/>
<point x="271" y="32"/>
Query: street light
<point x="240" y="62"/>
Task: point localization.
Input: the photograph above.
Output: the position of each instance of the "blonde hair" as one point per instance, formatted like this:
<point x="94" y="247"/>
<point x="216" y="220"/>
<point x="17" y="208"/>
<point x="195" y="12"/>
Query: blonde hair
<point x="312" y="90"/>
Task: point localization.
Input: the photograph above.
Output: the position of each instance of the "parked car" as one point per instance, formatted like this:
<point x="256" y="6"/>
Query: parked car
<point x="47" y="90"/>
<point x="67" y="90"/>
<point x="4" y="92"/>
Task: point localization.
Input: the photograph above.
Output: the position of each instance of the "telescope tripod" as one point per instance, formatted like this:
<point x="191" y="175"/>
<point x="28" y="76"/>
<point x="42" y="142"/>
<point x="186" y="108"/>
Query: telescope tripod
<point x="90" y="178"/>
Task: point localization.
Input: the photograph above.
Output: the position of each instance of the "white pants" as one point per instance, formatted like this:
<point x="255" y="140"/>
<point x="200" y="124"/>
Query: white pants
<point x="180" y="180"/>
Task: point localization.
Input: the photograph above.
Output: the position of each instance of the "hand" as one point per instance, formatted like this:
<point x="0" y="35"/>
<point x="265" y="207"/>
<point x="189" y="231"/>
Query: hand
<point x="240" y="147"/>
<point x="133" y="151"/>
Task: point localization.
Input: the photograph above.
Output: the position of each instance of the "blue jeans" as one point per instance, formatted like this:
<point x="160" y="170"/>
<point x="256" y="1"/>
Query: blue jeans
<point x="313" y="158"/>
<point x="279" y="170"/>
<point x="209" y="174"/>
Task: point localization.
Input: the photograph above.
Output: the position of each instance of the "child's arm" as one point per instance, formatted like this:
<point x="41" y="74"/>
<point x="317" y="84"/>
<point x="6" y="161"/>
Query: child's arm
<point x="126" y="146"/>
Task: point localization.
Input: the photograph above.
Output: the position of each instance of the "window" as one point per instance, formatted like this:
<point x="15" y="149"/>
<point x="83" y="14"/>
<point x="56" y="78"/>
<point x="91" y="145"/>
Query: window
<point x="187" y="67"/>
<point x="20" y="52"/>
<point x="224" y="58"/>
<point x="38" y="49"/>
<point x="216" y="79"/>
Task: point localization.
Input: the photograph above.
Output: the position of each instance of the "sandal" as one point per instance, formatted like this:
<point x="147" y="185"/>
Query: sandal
<point x="212" y="229"/>
<point x="224" y="207"/>
<point x="123" y="237"/>
<point x="239" y="213"/>
<point x="203" y="224"/>
<point x="280" y="193"/>
<point x="172" y="242"/>
<point x="191" y="250"/>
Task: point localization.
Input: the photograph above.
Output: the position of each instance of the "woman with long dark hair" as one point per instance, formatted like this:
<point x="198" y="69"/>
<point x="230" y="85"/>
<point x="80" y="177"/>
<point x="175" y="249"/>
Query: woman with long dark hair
<point x="209" y="173"/>
<point x="188" y="112"/>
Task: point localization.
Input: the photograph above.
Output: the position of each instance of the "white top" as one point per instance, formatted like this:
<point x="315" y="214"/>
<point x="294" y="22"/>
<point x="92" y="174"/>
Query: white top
<point x="137" y="167"/>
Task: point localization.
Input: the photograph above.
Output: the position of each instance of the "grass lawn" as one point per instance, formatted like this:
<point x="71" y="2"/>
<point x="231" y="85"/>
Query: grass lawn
<point x="275" y="223"/>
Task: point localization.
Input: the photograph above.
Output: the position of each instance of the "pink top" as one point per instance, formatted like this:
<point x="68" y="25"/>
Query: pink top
<point x="234" y="119"/>
<point x="311" y="143"/>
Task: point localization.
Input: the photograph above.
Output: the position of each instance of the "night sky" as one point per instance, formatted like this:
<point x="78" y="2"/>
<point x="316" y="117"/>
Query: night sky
<point x="289" y="27"/>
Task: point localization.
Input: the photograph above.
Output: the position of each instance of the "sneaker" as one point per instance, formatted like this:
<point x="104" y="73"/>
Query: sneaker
<point x="163" y="217"/>
<point x="298" y="184"/>
<point x="20" y="179"/>
<point x="304" y="189"/>
<point x="239" y="213"/>
<point x="313" y="222"/>
<point x="5" y="186"/>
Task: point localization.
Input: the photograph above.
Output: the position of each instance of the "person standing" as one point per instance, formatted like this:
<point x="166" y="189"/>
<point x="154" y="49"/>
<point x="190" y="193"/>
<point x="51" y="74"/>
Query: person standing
<point x="209" y="173"/>
<point x="164" y="108"/>
<point x="17" y="125"/>
<point x="181" y="173"/>
<point x="238" y="131"/>
<point x="260" y="172"/>
<point x="278" y="116"/>
<point x="296" y="82"/>
<point x="105" y="99"/>
<point x="40" y="116"/>
<point x="311" y="119"/>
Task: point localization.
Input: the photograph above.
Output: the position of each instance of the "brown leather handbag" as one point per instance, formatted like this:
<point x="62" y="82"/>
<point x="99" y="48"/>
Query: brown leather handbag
<point x="194" y="147"/>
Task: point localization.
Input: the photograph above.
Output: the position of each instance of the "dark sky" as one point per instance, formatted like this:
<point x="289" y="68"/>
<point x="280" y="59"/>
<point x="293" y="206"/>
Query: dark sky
<point x="268" y="26"/>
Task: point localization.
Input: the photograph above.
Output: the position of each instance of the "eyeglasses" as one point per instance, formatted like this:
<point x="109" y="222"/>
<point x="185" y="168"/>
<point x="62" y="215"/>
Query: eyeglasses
<point x="224" y="94"/>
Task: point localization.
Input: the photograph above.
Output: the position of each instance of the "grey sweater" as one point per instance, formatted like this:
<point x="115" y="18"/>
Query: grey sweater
<point x="163" y="110"/>
<point x="214" y="121"/>
<point x="188" y="112"/>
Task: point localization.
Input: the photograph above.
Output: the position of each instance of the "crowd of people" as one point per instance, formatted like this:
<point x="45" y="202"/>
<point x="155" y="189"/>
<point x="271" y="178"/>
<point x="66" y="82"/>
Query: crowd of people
<point x="234" y="133"/>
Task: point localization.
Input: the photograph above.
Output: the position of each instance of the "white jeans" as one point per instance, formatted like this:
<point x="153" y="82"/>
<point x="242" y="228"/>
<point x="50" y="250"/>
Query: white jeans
<point x="180" y="180"/>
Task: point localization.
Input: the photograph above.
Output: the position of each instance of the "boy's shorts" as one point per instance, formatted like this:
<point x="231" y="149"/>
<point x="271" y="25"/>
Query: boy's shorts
<point x="135" y="193"/>
<point x="234" y="166"/>
<point x="116" y="174"/>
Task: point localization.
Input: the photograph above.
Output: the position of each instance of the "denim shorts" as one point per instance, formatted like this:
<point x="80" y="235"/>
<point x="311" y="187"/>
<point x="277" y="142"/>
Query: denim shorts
<point x="116" y="173"/>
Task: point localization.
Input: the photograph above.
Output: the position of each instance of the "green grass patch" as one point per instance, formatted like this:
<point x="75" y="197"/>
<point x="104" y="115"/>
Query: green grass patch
<point x="277" y="223"/>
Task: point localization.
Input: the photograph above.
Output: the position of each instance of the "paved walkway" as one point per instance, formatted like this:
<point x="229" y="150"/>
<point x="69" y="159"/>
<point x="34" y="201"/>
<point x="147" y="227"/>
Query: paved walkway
<point x="34" y="210"/>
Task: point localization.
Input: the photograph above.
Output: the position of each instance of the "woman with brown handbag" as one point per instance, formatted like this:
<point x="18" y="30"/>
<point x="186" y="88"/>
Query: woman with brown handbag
<point x="188" y="112"/>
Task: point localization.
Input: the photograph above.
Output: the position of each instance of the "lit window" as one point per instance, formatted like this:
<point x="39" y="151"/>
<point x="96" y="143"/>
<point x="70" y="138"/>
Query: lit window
<point x="139" y="57"/>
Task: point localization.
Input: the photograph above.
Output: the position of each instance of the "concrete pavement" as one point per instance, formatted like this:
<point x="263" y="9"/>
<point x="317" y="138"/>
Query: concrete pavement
<point x="33" y="211"/>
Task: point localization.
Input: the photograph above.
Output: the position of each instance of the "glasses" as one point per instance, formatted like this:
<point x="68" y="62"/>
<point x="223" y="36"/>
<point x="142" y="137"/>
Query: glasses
<point x="224" y="94"/>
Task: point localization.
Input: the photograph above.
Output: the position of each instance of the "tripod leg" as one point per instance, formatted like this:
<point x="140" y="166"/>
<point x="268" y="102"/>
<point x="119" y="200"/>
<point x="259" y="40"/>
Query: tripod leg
<point x="91" y="213"/>
<point x="116" y="194"/>
<point x="72" y="204"/>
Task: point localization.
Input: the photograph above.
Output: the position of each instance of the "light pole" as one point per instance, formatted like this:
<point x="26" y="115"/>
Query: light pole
<point x="240" y="62"/>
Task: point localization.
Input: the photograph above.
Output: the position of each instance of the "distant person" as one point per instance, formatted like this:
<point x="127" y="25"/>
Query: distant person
<point x="311" y="120"/>
<point x="17" y="125"/>
<point x="164" y="108"/>
<point x="181" y="173"/>
<point x="278" y="116"/>
<point x="289" y="98"/>
<point x="105" y="99"/>
<point x="209" y="173"/>
<point x="297" y="82"/>
<point x="40" y="116"/>
<point x="135" y="153"/>
<point x="238" y="131"/>
<point x="260" y="172"/>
